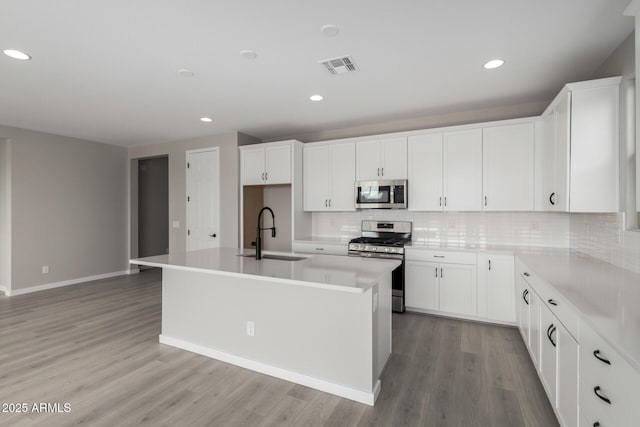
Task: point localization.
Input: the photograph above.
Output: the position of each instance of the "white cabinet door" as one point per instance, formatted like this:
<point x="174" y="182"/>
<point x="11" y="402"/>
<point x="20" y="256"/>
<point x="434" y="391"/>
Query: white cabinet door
<point x="458" y="289"/>
<point x="394" y="158"/>
<point x="562" y="112"/>
<point x="507" y="165"/>
<point x="316" y="177"/>
<point x="252" y="166"/>
<point x="421" y="285"/>
<point x="368" y="162"/>
<point x="594" y="150"/>
<point x="425" y="172"/>
<point x="567" y="378"/>
<point x="523" y="302"/>
<point x="547" y="167"/>
<point x="500" y="288"/>
<point x="278" y="165"/>
<point x="548" y="344"/>
<point x="342" y="176"/>
<point x="534" y="327"/>
<point x="463" y="170"/>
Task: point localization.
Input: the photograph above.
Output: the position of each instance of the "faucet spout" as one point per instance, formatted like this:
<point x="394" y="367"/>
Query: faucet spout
<point x="259" y="230"/>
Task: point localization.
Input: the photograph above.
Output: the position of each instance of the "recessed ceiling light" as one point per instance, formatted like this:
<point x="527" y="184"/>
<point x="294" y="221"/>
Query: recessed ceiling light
<point x="16" y="54"/>
<point x="494" y="63"/>
<point x="329" y="30"/>
<point x="183" y="72"/>
<point x="316" y="98"/>
<point x="206" y="119"/>
<point x="248" y="54"/>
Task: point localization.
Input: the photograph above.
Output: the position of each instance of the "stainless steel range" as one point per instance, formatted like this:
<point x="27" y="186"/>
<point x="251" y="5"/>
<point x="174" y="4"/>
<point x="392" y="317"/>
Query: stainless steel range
<point x="385" y="239"/>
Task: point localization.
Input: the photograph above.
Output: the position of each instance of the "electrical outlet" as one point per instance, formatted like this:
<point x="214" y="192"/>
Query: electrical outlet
<point x="251" y="328"/>
<point x="175" y="224"/>
<point x="45" y="269"/>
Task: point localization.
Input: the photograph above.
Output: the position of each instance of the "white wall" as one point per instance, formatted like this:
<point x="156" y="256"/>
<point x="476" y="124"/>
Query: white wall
<point x="424" y="122"/>
<point x="229" y="193"/>
<point x="68" y="208"/>
<point x="5" y="219"/>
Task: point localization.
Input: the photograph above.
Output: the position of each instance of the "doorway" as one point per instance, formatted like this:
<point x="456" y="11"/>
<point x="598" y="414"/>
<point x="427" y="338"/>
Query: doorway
<point x="203" y="199"/>
<point x="153" y="206"/>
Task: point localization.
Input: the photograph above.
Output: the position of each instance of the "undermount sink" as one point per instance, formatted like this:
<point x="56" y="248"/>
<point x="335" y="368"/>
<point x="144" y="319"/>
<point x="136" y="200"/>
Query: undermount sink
<point x="275" y="256"/>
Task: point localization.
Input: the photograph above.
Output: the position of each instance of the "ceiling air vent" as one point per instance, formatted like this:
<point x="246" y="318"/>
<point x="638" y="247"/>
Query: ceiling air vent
<point x="340" y="65"/>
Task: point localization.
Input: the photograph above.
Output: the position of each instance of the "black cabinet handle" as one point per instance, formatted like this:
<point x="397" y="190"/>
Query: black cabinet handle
<point x="441" y="275"/>
<point x="596" y="424"/>
<point x="551" y="198"/>
<point x="552" y="302"/>
<point x="213" y="235"/>
<point x="436" y="271"/>
<point x="489" y="265"/>
<point x="526" y="274"/>
<point x="524" y="295"/>
<point x="485" y="200"/>
<point x="440" y="201"/>
<point x="596" y="354"/>
<point x="596" y="390"/>
<point x="550" y="330"/>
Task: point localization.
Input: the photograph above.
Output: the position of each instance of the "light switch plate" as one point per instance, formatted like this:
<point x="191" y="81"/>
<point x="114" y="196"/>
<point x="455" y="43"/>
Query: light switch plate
<point x="176" y="224"/>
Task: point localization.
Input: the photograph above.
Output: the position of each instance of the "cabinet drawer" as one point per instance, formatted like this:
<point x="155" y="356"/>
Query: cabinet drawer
<point x="604" y="373"/>
<point x="558" y="305"/>
<point x="320" y="248"/>
<point x="450" y="257"/>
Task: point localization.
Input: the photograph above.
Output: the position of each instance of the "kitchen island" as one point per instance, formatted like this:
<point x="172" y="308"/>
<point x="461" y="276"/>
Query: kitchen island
<point x="322" y="321"/>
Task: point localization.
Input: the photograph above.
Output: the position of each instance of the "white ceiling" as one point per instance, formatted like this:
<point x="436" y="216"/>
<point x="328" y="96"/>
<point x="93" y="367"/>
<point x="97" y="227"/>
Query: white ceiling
<point x="107" y="70"/>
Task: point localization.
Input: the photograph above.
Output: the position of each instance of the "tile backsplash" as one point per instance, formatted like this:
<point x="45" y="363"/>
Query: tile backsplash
<point x="603" y="236"/>
<point x="483" y="228"/>
<point x="598" y="235"/>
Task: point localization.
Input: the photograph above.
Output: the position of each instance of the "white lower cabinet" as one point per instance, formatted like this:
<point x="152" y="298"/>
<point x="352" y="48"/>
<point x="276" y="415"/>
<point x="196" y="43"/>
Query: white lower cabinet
<point x="548" y="360"/>
<point x="496" y="287"/>
<point x="421" y="285"/>
<point x="447" y="287"/>
<point x="567" y="377"/>
<point x="608" y="384"/>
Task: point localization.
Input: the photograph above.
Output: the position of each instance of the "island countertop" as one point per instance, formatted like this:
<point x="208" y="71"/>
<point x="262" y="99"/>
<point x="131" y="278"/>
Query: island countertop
<point x="341" y="273"/>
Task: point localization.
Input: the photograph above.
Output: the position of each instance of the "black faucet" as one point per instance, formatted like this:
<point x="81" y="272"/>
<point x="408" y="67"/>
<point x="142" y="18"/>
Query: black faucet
<point x="259" y="238"/>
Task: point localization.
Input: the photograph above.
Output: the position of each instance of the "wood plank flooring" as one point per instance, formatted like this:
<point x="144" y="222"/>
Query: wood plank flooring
<point x="95" y="346"/>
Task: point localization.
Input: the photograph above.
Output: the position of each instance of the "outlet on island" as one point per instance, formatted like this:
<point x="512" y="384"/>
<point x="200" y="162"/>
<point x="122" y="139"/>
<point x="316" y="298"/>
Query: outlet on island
<point x="45" y="269"/>
<point x="251" y="328"/>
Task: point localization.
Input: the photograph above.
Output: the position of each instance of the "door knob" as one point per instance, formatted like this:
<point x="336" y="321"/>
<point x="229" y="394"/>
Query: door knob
<point x="212" y="235"/>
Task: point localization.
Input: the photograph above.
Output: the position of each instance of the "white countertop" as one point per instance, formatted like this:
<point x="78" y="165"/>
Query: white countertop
<point x="341" y="273"/>
<point x="606" y="296"/>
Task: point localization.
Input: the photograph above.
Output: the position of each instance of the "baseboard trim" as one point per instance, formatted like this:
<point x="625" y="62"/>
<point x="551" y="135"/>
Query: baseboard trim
<point x="4" y="290"/>
<point x="284" y="374"/>
<point x="460" y="316"/>
<point x="15" y="292"/>
<point x="133" y="271"/>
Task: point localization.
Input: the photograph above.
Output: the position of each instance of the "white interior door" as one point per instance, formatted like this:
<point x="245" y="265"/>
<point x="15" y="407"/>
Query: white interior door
<point x="203" y="199"/>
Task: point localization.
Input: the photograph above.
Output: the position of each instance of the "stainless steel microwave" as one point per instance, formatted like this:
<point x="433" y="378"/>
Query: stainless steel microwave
<point x="381" y="194"/>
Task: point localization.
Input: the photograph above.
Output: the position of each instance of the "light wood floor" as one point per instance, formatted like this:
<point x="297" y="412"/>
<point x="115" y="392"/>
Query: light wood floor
<point x="95" y="346"/>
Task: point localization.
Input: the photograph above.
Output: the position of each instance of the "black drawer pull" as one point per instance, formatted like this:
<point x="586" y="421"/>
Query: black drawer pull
<point x="596" y="354"/>
<point x="524" y="296"/>
<point x="552" y="302"/>
<point x="550" y="330"/>
<point x="596" y="424"/>
<point x="526" y="274"/>
<point x="596" y="390"/>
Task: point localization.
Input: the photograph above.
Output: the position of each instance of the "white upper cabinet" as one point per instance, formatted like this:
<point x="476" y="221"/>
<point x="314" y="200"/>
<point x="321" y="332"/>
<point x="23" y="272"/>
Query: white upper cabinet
<point x="425" y="172"/>
<point x="462" y="170"/>
<point x="381" y="159"/>
<point x="266" y="164"/>
<point x="329" y="177"/>
<point x="580" y="150"/>
<point x="253" y="166"/>
<point x="507" y="167"/>
<point x="316" y="177"/>
<point x="278" y="165"/>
